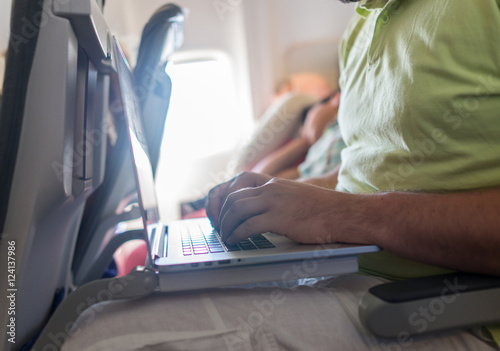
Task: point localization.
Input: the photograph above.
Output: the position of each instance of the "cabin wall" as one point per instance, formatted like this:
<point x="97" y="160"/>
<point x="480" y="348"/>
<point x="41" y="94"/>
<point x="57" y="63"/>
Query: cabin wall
<point x="282" y="24"/>
<point x="206" y="28"/>
<point x="254" y="33"/>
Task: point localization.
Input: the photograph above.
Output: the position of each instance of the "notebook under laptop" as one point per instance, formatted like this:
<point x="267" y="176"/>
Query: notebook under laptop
<point x="188" y="254"/>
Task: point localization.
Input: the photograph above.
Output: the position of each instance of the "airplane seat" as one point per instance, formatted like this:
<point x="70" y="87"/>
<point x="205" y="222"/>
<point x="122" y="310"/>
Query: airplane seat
<point x="52" y="153"/>
<point x="162" y="36"/>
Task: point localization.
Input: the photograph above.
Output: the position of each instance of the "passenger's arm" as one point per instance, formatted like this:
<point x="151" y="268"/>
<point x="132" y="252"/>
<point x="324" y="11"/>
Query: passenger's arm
<point x="328" y="180"/>
<point x="283" y="158"/>
<point x="458" y="231"/>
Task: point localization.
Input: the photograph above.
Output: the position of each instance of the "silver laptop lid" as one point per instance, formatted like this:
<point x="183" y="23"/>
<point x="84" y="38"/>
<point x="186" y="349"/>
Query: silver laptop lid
<point x="143" y="172"/>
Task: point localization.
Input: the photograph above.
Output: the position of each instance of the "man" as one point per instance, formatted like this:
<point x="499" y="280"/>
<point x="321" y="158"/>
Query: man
<point x="420" y="114"/>
<point x="420" y="177"/>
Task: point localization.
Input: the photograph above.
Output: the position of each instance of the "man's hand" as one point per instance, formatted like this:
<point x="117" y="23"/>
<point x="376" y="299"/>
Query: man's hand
<point x="275" y="205"/>
<point x="217" y="196"/>
<point x="301" y="212"/>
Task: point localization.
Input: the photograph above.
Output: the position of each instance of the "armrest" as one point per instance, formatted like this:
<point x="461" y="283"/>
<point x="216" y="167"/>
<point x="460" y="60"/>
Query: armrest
<point x="423" y="305"/>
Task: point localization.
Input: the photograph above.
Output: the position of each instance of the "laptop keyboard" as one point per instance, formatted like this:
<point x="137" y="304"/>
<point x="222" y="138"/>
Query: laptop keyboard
<point x="252" y="243"/>
<point x="201" y="241"/>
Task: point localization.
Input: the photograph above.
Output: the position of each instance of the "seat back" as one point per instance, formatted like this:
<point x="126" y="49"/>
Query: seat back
<point x="52" y="152"/>
<point x="162" y="35"/>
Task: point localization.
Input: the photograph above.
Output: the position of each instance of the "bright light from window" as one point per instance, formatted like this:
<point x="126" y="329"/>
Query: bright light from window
<point x="202" y="118"/>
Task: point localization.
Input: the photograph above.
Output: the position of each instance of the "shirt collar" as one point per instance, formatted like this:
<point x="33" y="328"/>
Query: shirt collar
<point x="366" y="6"/>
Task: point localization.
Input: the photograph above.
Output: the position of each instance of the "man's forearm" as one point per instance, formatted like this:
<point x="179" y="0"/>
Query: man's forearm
<point x="459" y="231"/>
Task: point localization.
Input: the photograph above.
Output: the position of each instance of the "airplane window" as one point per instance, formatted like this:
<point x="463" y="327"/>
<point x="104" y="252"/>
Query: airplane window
<point x="203" y="102"/>
<point x="204" y="125"/>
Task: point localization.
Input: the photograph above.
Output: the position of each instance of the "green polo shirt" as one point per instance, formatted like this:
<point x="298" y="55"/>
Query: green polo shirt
<point x="420" y="108"/>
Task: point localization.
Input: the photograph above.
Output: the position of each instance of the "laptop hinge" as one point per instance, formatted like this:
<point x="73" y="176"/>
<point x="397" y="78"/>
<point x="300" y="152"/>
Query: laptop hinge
<point x="138" y="283"/>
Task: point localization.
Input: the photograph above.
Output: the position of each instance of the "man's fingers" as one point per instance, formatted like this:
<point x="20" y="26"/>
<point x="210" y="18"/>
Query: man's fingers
<point x="214" y="202"/>
<point x="217" y="196"/>
<point x="252" y="226"/>
<point x="240" y="206"/>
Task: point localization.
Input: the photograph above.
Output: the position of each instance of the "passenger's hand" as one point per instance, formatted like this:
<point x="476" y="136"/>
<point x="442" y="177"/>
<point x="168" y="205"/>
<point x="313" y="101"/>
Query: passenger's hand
<point x="318" y="119"/>
<point x="301" y="212"/>
<point x="217" y="196"/>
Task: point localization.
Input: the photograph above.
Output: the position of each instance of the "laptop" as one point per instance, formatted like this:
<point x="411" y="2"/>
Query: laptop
<point x="188" y="254"/>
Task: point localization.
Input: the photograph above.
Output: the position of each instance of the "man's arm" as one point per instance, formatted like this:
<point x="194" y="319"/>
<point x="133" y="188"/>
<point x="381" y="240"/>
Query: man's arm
<point x="458" y="231"/>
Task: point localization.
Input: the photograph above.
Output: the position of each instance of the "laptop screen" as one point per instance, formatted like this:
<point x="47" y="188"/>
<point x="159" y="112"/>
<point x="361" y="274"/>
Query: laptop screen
<point x="141" y="163"/>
